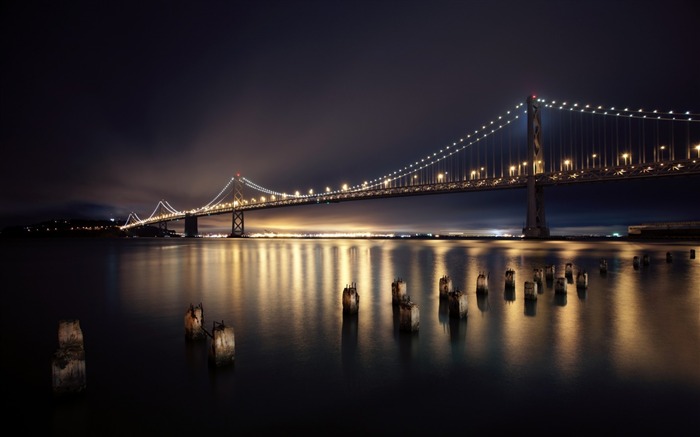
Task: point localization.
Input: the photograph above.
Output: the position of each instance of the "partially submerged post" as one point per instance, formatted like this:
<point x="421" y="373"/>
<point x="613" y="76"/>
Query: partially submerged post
<point x="510" y="278"/>
<point x="223" y="345"/>
<point x="537" y="275"/>
<point x="68" y="364"/>
<point x="482" y="284"/>
<point x="603" y="265"/>
<point x="409" y="316"/>
<point x="549" y="272"/>
<point x="457" y="304"/>
<point x="560" y="286"/>
<point x="194" y="323"/>
<point x="444" y="286"/>
<point x="569" y="270"/>
<point x="530" y="290"/>
<point x="398" y="291"/>
<point x="582" y="280"/>
<point x="351" y="300"/>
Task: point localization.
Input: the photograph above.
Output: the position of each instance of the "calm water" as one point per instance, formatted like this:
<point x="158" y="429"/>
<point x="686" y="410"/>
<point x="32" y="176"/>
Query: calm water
<point x="621" y="357"/>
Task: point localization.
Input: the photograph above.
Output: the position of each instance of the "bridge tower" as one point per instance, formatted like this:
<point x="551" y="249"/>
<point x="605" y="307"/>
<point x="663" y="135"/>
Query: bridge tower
<point x="237" y="228"/>
<point x="162" y="226"/>
<point x="536" y="225"/>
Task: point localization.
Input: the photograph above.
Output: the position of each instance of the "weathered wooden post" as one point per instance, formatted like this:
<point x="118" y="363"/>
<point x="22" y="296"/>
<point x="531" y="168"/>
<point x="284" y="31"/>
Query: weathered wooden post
<point x="549" y="272"/>
<point x="482" y="284"/>
<point x="194" y="323"/>
<point x="582" y="280"/>
<point x="692" y="253"/>
<point x="409" y="316"/>
<point x="510" y="278"/>
<point x="560" y="286"/>
<point x="398" y="291"/>
<point x="537" y="275"/>
<point x="603" y="265"/>
<point x="530" y="290"/>
<point x="457" y="304"/>
<point x="223" y="345"/>
<point x="444" y="286"/>
<point x="635" y="262"/>
<point x="68" y="364"/>
<point x="351" y="300"/>
<point x="569" y="271"/>
<point x="645" y="260"/>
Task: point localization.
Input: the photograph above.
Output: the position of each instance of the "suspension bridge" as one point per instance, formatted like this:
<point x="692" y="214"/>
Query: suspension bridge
<point x="533" y="145"/>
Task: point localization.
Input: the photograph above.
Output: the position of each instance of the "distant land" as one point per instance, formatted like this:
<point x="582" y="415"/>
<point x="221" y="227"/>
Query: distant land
<point x="85" y="228"/>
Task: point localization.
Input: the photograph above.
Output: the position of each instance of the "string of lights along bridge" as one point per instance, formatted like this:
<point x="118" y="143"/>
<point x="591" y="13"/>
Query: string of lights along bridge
<point x="531" y="145"/>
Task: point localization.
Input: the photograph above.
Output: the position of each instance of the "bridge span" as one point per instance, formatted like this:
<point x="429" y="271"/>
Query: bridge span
<point x="586" y="145"/>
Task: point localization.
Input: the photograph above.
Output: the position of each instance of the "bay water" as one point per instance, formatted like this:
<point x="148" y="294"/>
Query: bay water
<point x="619" y="356"/>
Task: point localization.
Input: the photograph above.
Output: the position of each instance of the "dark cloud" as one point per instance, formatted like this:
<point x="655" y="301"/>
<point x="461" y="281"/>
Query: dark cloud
<point x="122" y="104"/>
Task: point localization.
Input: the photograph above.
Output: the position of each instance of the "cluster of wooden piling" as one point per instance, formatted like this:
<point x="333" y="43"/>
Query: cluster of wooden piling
<point x="222" y="351"/>
<point x="68" y="364"/>
<point x="456" y="299"/>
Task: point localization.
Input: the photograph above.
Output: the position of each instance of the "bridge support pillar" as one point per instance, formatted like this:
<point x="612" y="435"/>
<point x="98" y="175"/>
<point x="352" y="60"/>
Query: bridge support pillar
<point x="191" y="226"/>
<point x="536" y="225"/>
<point x="237" y="225"/>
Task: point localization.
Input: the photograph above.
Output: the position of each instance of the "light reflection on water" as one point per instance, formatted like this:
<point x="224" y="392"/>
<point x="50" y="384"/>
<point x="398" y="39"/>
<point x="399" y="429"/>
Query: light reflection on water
<point x="295" y="350"/>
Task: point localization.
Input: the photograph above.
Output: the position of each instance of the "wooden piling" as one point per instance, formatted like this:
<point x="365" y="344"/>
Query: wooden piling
<point x="510" y="279"/>
<point x="537" y="275"/>
<point x="223" y="345"/>
<point x="482" y="284"/>
<point x="457" y="304"/>
<point x="444" y="287"/>
<point x="549" y="272"/>
<point x="68" y="363"/>
<point x="569" y="270"/>
<point x="530" y="290"/>
<point x="194" y="323"/>
<point x="409" y="316"/>
<point x="351" y="300"/>
<point x="582" y="280"/>
<point x="603" y="265"/>
<point x="398" y="291"/>
<point x="560" y="286"/>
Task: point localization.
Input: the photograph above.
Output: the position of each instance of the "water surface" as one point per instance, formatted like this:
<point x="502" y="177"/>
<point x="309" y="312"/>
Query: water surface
<point x="622" y="355"/>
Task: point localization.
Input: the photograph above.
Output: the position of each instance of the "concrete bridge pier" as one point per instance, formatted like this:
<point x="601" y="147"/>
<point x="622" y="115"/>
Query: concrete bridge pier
<point x="191" y="226"/>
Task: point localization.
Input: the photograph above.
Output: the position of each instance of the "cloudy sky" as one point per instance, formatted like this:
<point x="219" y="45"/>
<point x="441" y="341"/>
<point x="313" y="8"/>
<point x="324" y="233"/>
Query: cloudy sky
<point x="108" y="107"/>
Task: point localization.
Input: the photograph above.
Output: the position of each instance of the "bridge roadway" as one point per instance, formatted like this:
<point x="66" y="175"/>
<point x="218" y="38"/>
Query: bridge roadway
<point x="690" y="167"/>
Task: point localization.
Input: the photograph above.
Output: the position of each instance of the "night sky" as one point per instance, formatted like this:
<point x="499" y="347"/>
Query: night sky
<point x="108" y="107"/>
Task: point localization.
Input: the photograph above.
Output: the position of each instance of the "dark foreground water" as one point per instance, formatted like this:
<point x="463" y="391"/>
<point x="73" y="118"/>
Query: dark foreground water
<point x="621" y="357"/>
